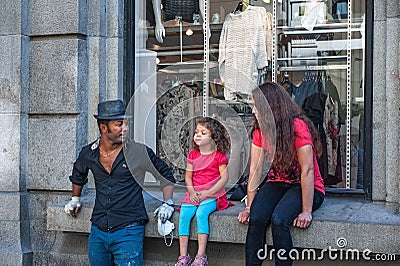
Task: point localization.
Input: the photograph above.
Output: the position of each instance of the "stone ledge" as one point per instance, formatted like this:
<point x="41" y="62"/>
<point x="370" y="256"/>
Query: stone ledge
<point x="363" y="224"/>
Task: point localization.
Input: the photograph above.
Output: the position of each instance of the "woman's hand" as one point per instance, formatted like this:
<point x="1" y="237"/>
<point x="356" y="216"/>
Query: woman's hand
<point x="303" y="220"/>
<point x="244" y="216"/>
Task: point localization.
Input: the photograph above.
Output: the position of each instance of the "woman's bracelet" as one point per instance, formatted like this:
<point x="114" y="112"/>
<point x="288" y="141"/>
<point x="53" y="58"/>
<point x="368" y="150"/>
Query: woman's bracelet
<point x="247" y="208"/>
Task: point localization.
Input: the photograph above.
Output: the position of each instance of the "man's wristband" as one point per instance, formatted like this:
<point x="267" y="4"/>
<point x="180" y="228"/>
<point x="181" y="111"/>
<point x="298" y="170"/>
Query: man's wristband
<point x="169" y="202"/>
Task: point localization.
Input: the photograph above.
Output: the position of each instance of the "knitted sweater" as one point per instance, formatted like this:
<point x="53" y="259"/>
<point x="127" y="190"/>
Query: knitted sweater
<point x="242" y="49"/>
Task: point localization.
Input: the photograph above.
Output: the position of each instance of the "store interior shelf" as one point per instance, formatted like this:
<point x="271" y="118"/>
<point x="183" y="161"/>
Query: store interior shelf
<point x="320" y="28"/>
<point x="185" y="52"/>
<point x="174" y="28"/>
<point x="312" y="68"/>
<point x="319" y="58"/>
<point x="338" y="45"/>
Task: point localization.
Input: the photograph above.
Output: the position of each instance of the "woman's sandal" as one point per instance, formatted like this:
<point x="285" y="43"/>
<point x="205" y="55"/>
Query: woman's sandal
<point x="183" y="261"/>
<point x="200" y="261"/>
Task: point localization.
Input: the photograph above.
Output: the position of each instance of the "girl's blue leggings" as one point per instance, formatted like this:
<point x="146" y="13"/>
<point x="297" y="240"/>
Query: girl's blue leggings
<point x="202" y="212"/>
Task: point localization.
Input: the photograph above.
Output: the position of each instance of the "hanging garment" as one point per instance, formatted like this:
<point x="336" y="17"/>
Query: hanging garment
<point x="315" y="14"/>
<point x="182" y="8"/>
<point x="308" y="87"/>
<point x="314" y="107"/>
<point x="264" y="75"/>
<point x="176" y="101"/>
<point x="331" y="89"/>
<point x="337" y="177"/>
<point x="269" y="35"/>
<point x="242" y="50"/>
<point x="331" y="127"/>
<point x="150" y="13"/>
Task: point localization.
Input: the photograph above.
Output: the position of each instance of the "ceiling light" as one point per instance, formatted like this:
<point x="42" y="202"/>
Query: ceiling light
<point x="189" y="32"/>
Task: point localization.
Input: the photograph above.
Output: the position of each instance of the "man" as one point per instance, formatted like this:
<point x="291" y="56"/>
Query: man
<point x="118" y="167"/>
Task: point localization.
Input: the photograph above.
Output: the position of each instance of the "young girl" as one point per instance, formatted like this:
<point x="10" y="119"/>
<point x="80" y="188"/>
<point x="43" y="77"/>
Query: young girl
<point x="206" y="176"/>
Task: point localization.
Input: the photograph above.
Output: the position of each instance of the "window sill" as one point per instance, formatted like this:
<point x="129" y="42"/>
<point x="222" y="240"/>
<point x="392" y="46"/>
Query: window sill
<point x="364" y="224"/>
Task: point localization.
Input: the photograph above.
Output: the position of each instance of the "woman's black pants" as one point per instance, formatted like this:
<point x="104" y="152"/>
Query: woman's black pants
<point x="275" y="204"/>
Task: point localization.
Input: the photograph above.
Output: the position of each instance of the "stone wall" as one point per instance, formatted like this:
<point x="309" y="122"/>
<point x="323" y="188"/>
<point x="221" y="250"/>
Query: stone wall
<point x="386" y="113"/>
<point x="58" y="60"/>
<point x="14" y="71"/>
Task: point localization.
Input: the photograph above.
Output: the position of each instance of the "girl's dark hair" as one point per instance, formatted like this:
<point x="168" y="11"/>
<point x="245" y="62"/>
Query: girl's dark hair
<point x="284" y="111"/>
<point x="218" y="133"/>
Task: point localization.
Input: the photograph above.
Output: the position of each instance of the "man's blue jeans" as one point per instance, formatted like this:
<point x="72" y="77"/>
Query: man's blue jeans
<point x="121" y="247"/>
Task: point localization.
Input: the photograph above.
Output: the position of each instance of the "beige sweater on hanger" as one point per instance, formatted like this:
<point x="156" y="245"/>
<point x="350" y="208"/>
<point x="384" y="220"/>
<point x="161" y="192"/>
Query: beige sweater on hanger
<point x="243" y="49"/>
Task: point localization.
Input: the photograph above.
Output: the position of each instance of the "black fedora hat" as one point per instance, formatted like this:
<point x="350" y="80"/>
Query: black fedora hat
<point x="111" y="110"/>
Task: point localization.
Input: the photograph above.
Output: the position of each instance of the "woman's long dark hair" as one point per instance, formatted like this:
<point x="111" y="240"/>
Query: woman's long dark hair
<point x="284" y="110"/>
<point x="218" y="133"/>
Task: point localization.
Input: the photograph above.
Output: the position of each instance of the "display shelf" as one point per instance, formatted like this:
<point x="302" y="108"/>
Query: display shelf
<point x="320" y="28"/>
<point x="313" y="68"/>
<point x="185" y="26"/>
<point x="319" y="58"/>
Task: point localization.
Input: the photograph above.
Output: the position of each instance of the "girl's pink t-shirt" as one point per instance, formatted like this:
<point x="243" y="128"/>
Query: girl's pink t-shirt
<point x="206" y="175"/>
<point x="302" y="137"/>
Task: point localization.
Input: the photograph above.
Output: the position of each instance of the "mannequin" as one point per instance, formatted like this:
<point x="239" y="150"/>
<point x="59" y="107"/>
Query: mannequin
<point x="159" y="30"/>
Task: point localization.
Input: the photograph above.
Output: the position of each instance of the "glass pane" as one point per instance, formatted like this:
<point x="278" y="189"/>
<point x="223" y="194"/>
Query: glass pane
<point x="293" y="42"/>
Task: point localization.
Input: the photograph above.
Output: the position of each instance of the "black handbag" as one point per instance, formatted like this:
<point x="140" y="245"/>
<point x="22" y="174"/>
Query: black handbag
<point x="239" y="191"/>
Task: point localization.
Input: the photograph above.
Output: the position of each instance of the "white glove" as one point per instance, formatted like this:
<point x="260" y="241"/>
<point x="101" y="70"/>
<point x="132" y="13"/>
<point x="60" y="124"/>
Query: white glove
<point x="73" y="207"/>
<point x="165" y="211"/>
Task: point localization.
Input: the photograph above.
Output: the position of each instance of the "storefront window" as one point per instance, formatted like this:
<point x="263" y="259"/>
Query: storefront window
<point x="311" y="47"/>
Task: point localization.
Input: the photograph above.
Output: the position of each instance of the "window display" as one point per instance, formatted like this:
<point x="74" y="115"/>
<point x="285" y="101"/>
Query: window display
<point x="314" y="48"/>
<point x="181" y="10"/>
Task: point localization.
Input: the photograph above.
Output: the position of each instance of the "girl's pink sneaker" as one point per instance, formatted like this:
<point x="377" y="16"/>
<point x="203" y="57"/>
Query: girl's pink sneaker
<point x="200" y="261"/>
<point x="183" y="261"/>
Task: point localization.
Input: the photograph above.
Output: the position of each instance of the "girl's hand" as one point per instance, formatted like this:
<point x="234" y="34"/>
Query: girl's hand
<point x="202" y="194"/>
<point x="194" y="196"/>
<point x="303" y="220"/>
<point x="244" y="216"/>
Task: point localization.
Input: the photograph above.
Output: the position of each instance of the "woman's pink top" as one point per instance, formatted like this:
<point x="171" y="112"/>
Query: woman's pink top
<point x="206" y="175"/>
<point x="302" y="137"/>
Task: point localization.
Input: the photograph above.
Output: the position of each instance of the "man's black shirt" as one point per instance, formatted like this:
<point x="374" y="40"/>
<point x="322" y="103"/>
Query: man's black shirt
<point x="119" y="199"/>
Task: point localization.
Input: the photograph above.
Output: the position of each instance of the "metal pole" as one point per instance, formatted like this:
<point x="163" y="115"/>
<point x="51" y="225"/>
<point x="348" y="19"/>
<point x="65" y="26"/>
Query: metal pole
<point x="205" y="60"/>
<point x="348" y="100"/>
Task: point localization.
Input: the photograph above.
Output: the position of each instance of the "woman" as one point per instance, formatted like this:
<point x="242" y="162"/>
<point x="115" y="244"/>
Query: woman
<point x="294" y="186"/>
